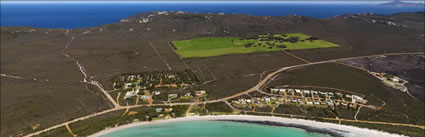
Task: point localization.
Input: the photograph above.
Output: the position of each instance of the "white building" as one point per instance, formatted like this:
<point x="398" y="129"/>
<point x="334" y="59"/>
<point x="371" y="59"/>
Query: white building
<point x="306" y="92"/>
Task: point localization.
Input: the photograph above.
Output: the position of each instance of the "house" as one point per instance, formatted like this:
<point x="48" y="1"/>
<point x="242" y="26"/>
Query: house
<point x="138" y="86"/>
<point x="126" y="85"/>
<point x="124" y="20"/>
<point x="32" y="30"/>
<point x="162" y="13"/>
<point x="171" y="96"/>
<point x="330" y="103"/>
<point x="171" y="76"/>
<point x="168" y="109"/>
<point x="86" y="32"/>
<point x="158" y="110"/>
<point x="274" y="90"/>
<point x="306" y="92"/>
<point x="243" y="101"/>
<point x="262" y="101"/>
<point x="308" y="100"/>
<point x="130" y="94"/>
<point x="348" y="96"/>
<point x="358" y="99"/>
<point x="157" y="92"/>
<point x="161" y="116"/>
<point x="314" y="93"/>
<point x="145" y="97"/>
<point x="267" y="99"/>
<point x="145" y="20"/>
<point x="300" y="101"/>
<point x="200" y="92"/>
<point x="323" y="94"/>
<point x="336" y="103"/>
<point x="188" y="94"/>
<point x="297" y="91"/>
<point x="290" y="90"/>
<point x="248" y="100"/>
<point x="282" y="91"/>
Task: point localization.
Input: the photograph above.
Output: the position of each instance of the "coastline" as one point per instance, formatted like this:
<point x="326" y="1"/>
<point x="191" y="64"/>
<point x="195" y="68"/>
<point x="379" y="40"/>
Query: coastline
<point x="308" y="125"/>
<point x="310" y="129"/>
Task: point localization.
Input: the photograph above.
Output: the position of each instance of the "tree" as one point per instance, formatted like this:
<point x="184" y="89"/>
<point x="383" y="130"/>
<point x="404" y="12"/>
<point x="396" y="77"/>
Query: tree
<point x="293" y="39"/>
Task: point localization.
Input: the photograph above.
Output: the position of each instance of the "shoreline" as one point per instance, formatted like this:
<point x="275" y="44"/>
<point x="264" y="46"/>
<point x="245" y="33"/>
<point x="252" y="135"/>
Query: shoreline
<point x="330" y="129"/>
<point x="308" y="129"/>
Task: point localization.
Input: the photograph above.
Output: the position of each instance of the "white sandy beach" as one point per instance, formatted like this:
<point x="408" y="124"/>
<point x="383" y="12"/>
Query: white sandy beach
<point x="354" y="131"/>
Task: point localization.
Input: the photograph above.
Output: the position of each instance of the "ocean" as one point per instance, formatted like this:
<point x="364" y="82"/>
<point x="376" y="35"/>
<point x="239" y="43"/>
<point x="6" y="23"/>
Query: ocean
<point x="211" y="129"/>
<point x="88" y="14"/>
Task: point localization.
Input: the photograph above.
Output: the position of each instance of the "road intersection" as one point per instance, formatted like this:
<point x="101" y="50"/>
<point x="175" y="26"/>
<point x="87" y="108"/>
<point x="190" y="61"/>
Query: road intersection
<point x="257" y="87"/>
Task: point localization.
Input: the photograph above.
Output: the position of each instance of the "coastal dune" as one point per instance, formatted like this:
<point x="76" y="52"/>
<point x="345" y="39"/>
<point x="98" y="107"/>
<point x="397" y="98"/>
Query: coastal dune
<point x="311" y="126"/>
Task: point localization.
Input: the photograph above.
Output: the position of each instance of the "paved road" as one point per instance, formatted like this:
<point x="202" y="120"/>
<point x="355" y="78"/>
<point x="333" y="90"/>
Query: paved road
<point x="256" y="87"/>
<point x="271" y="75"/>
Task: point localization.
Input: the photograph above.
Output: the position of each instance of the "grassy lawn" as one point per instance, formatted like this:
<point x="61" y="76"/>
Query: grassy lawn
<point x="309" y="45"/>
<point x="300" y="35"/>
<point x="216" y="46"/>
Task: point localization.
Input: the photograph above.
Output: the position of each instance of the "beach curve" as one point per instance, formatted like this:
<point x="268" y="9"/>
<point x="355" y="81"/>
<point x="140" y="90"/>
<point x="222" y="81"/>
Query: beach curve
<point x="331" y="127"/>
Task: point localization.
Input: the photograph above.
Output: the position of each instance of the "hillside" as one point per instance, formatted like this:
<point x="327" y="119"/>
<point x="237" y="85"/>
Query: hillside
<point x="52" y="66"/>
<point x="399" y="3"/>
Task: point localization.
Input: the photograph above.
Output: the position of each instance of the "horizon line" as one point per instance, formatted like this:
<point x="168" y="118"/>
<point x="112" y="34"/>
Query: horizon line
<point x="207" y="1"/>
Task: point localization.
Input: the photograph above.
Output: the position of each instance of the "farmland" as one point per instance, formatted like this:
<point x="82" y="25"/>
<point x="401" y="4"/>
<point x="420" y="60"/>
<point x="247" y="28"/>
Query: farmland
<point x="216" y="46"/>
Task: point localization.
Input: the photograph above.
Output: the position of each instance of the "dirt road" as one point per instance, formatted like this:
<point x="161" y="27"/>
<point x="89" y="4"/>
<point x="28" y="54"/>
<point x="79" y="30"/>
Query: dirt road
<point x="256" y="87"/>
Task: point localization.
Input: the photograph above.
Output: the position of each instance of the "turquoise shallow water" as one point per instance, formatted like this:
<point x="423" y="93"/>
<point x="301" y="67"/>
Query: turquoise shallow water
<point x="211" y="129"/>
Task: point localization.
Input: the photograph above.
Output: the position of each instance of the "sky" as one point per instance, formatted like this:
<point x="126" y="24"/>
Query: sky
<point x="211" y="1"/>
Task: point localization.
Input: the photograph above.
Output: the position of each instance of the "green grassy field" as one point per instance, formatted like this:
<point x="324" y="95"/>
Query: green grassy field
<point x="216" y="46"/>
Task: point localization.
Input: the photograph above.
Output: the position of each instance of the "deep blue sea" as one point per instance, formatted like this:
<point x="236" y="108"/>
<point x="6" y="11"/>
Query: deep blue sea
<point x="79" y="15"/>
